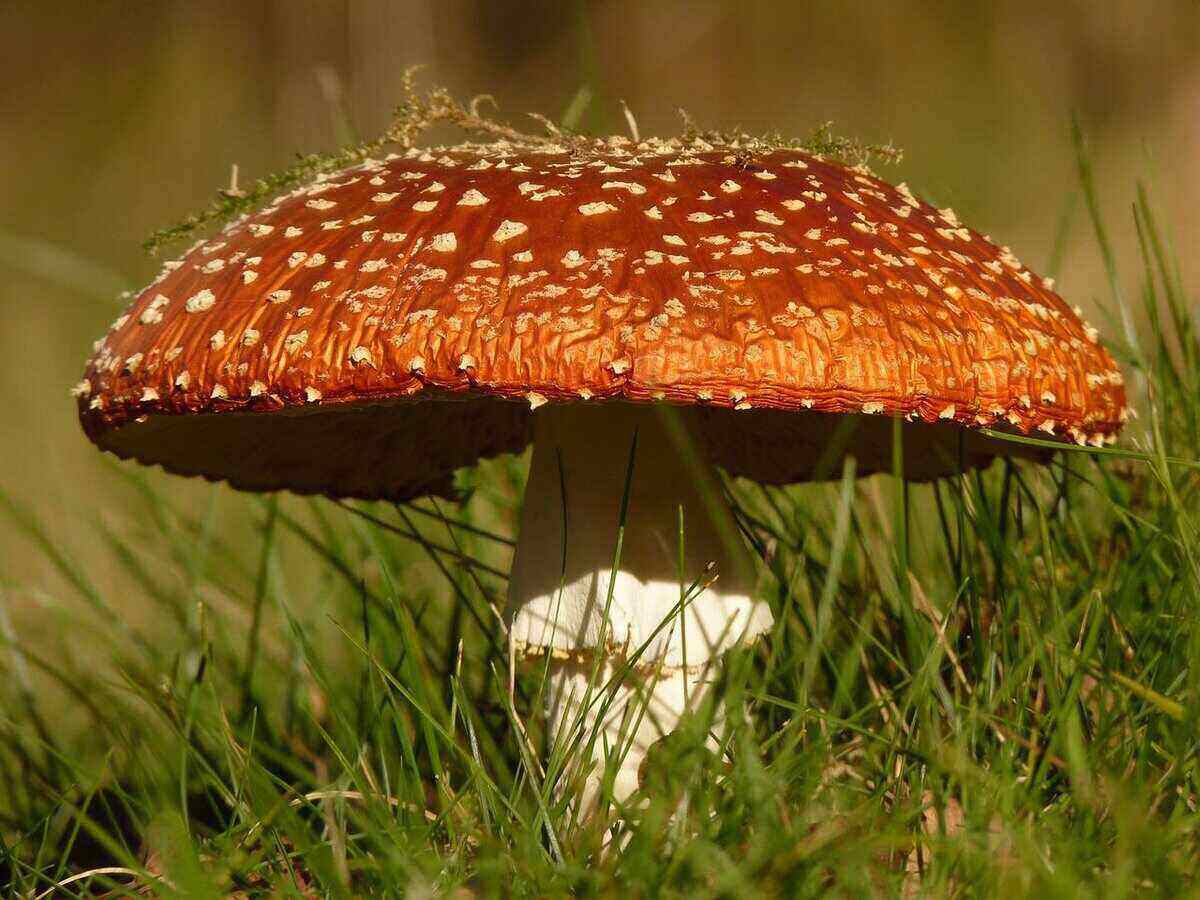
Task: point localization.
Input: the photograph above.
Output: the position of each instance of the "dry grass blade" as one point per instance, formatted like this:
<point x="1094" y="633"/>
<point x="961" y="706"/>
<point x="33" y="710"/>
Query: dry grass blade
<point x="101" y="871"/>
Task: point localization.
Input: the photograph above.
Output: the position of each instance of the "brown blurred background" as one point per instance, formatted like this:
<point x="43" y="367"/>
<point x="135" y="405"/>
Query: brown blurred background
<point x="119" y="117"/>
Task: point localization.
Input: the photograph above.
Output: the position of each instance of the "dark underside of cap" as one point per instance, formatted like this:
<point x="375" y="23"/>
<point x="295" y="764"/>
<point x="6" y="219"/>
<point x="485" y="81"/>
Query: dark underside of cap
<point x="405" y="449"/>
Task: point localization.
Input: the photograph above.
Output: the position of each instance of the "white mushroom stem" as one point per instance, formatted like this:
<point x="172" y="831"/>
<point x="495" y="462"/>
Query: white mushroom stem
<point x="622" y="719"/>
<point x="566" y="599"/>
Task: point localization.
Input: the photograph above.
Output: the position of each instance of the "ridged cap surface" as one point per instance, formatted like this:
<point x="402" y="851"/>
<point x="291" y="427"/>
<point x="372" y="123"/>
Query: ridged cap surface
<point x="358" y="337"/>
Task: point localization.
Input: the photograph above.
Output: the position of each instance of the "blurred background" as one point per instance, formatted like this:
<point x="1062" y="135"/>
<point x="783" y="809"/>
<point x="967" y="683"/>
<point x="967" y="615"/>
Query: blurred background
<point x="120" y="117"/>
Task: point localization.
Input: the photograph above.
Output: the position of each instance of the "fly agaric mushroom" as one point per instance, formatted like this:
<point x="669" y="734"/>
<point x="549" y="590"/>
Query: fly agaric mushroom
<point x="370" y="333"/>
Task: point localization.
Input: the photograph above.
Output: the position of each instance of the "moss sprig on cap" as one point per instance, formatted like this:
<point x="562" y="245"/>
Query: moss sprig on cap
<point x="419" y="111"/>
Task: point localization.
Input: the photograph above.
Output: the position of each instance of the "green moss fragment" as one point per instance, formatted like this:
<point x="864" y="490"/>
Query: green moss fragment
<point x="417" y="112"/>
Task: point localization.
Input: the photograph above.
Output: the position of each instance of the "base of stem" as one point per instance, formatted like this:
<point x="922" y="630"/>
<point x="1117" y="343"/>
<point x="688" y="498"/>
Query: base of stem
<point x="611" y="727"/>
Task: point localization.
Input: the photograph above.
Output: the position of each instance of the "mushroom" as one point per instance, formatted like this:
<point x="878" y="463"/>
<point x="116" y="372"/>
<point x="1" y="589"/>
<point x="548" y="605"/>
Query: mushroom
<point x="370" y="333"/>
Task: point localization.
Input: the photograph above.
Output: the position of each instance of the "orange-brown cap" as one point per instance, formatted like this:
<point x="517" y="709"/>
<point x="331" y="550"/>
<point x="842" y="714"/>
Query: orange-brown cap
<point x="359" y="336"/>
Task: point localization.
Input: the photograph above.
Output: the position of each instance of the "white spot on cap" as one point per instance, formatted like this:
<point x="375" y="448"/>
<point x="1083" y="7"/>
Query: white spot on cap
<point x="701" y="217"/>
<point x="872" y="409"/>
<point x="535" y="400"/>
<point x="311" y="394"/>
<point x="296" y="259"/>
<point x="149" y="395"/>
<point x="280" y="296"/>
<point x="217" y="341"/>
<point x="417" y="364"/>
<point x="200" y="301"/>
<point x="675" y="239"/>
<point x="632" y="186"/>
<point x="248" y="276"/>
<point x="294" y="342"/>
<point x="598" y="208"/>
<point x="361" y="356"/>
<point x="425" y="205"/>
<point x="509" y="229"/>
<point x="182" y="380"/>
<point x="152" y="314"/>
<point x="793" y="205"/>
<point x="261" y="230"/>
<point x="619" y="366"/>
<point x="654" y="213"/>
<point x="321" y="204"/>
<point x="385" y="198"/>
<point x="82" y="389"/>
<point x="250" y="337"/>
<point x="573" y="259"/>
<point x="472" y="198"/>
<point x="257" y="389"/>
<point x="293" y="232"/>
<point x="947" y="413"/>
<point x="730" y="187"/>
<point x="446" y="242"/>
<point x="523" y="256"/>
<point x="767" y="217"/>
<point x="466" y="361"/>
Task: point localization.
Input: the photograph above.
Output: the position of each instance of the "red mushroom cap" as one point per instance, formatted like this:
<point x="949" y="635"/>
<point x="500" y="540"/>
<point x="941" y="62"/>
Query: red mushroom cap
<point x="290" y="350"/>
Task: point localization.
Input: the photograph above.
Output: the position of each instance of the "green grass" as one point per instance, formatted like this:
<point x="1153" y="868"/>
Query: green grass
<point x="985" y="686"/>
